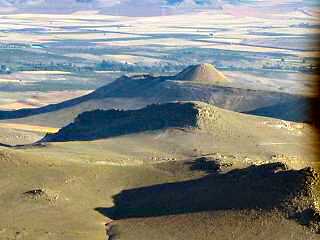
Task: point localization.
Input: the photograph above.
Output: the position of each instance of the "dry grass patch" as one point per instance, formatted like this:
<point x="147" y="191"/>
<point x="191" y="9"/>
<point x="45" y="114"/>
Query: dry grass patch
<point x="27" y="127"/>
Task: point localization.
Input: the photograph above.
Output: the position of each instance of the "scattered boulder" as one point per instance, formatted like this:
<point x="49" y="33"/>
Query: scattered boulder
<point x="209" y="165"/>
<point x="310" y="217"/>
<point x="42" y="194"/>
<point x="35" y="193"/>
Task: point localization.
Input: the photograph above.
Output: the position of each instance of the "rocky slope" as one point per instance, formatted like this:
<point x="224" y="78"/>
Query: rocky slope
<point x="231" y="205"/>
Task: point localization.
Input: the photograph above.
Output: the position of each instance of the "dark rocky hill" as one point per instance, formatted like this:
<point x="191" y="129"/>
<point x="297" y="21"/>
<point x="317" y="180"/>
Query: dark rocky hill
<point x="103" y="124"/>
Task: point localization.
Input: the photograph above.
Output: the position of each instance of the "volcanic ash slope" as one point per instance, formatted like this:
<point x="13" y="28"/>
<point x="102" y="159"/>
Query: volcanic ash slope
<point x="205" y="73"/>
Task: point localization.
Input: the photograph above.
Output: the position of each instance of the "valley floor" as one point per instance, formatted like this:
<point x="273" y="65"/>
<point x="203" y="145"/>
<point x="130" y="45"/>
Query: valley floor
<point x="71" y="190"/>
<point x="56" y="199"/>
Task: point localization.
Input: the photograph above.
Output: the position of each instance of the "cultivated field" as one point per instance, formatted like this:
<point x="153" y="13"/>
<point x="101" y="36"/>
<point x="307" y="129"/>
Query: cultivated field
<point x="47" y="52"/>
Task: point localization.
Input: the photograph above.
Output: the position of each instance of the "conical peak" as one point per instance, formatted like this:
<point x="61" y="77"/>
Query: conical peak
<point x="204" y="72"/>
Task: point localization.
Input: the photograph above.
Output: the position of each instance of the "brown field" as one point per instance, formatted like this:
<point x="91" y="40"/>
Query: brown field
<point x="14" y="101"/>
<point x="31" y="128"/>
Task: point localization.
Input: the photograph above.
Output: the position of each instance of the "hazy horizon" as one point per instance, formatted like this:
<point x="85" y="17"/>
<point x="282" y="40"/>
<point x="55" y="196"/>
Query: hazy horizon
<point x="145" y="7"/>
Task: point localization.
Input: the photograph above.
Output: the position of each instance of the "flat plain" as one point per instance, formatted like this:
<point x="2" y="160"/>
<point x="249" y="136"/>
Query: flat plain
<point x="51" y="53"/>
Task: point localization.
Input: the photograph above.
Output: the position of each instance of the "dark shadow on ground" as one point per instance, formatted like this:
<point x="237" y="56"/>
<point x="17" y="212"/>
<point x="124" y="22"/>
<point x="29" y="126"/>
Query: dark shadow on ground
<point x="298" y="110"/>
<point x="208" y="165"/>
<point x="263" y="187"/>
<point x="5" y="145"/>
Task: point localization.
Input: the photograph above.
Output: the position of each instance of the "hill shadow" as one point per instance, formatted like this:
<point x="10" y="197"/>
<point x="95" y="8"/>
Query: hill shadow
<point x="298" y="110"/>
<point x="263" y="187"/>
<point x="208" y="165"/>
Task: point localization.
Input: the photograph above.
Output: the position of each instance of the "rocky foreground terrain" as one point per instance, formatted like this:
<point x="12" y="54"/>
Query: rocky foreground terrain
<point x="150" y="157"/>
<point x="180" y="170"/>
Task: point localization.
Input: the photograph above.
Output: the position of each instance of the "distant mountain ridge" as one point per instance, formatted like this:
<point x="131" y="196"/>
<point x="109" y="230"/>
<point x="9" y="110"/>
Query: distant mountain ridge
<point x="190" y="87"/>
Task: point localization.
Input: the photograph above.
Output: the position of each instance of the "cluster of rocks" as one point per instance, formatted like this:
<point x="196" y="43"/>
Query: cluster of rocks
<point x="42" y="194"/>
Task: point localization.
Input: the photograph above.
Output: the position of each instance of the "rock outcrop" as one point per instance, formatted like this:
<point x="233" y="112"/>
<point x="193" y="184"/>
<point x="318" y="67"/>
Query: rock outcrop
<point x="99" y="124"/>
